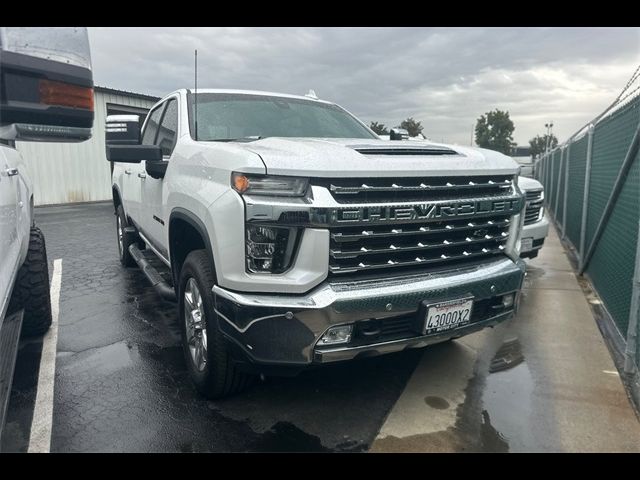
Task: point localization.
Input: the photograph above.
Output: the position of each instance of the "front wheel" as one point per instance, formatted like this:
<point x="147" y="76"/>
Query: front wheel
<point x="31" y="290"/>
<point x="210" y="366"/>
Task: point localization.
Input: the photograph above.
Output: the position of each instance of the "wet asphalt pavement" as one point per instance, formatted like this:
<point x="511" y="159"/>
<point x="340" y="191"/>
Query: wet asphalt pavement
<point x="121" y="382"/>
<point x="122" y="386"/>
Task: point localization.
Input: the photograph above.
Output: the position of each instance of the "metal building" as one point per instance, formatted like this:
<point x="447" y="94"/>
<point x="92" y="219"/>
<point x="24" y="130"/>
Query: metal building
<point x="79" y="172"/>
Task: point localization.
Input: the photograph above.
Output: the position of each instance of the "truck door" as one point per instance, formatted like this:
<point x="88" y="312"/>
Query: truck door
<point x="134" y="181"/>
<point x="9" y="226"/>
<point x="155" y="223"/>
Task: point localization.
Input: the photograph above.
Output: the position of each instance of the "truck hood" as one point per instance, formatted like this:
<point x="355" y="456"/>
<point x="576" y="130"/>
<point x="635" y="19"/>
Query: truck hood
<point x="321" y="157"/>
<point x="526" y="183"/>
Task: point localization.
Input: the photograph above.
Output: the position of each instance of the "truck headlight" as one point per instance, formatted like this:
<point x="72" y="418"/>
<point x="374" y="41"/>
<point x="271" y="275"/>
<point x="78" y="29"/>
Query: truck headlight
<point x="270" y="249"/>
<point x="512" y="248"/>
<point x="271" y="185"/>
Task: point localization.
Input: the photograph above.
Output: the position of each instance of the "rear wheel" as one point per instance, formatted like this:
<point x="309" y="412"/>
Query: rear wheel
<point x="31" y="291"/>
<point x="211" y="368"/>
<point x="123" y="240"/>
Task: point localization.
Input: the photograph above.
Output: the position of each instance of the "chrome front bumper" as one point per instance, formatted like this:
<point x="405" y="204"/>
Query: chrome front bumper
<point x="280" y="329"/>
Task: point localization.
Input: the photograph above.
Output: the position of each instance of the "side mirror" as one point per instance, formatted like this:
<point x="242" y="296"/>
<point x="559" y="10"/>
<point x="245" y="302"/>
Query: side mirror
<point x="134" y="153"/>
<point x="156" y="169"/>
<point x="398" y="134"/>
<point x="122" y="130"/>
<point x="47" y="84"/>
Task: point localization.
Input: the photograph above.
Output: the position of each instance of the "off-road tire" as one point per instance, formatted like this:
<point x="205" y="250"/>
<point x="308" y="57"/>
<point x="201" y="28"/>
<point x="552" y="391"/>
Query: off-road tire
<point x="123" y="249"/>
<point x="220" y="377"/>
<point x="31" y="290"/>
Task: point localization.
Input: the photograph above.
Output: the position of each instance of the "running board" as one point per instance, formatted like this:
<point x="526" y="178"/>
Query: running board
<point x="163" y="288"/>
<point x="9" y="340"/>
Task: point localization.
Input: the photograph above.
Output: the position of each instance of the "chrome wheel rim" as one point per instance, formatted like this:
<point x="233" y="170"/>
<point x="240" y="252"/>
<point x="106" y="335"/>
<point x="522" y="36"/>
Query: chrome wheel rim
<point x="195" y="324"/>
<point x="120" y="240"/>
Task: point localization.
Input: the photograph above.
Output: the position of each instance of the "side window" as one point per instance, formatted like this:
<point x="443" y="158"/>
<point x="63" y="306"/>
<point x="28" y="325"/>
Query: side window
<point x="168" y="128"/>
<point x="149" y="134"/>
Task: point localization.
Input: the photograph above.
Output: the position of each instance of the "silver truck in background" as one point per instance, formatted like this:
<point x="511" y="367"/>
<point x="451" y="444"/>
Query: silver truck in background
<point x="46" y="94"/>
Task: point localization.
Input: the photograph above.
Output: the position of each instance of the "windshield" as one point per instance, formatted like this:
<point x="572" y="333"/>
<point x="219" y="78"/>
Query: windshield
<point x="231" y="116"/>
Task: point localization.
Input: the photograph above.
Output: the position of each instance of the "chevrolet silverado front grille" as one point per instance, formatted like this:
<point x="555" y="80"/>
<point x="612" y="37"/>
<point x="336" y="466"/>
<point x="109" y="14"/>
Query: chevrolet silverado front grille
<point x="534" y="204"/>
<point x="380" y="248"/>
<point x="347" y="190"/>
<point x="397" y="245"/>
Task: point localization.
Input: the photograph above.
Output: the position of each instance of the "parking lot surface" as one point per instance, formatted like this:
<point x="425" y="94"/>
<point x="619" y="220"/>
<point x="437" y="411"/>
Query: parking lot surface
<point x="542" y="382"/>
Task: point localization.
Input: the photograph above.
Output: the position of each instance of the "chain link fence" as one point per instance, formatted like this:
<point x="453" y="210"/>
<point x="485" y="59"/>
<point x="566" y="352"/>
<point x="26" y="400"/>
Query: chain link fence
<point x="592" y="193"/>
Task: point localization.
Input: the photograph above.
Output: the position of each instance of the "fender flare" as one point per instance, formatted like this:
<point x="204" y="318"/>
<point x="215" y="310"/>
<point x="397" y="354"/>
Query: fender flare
<point x="193" y="220"/>
<point x="117" y="190"/>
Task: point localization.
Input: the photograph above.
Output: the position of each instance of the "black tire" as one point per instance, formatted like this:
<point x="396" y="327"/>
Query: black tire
<point x="123" y="246"/>
<point x="31" y="290"/>
<point x="220" y="376"/>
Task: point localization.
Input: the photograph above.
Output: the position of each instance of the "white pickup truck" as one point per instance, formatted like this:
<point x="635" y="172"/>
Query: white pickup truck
<point x="46" y="94"/>
<point x="536" y="225"/>
<point x="292" y="236"/>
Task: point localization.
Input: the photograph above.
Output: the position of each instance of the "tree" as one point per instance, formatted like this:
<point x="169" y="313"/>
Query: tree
<point x="494" y="131"/>
<point x="539" y="143"/>
<point x="410" y="125"/>
<point x="379" y="128"/>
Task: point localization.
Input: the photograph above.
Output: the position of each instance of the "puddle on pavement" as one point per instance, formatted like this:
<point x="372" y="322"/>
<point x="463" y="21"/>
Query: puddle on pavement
<point x="508" y="356"/>
<point x="495" y="416"/>
<point x="438" y="403"/>
<point x="507" y="397"/>
<point x="286" y="437"/>
<point x="533" y="276"/>
<point x="106" y="359"/>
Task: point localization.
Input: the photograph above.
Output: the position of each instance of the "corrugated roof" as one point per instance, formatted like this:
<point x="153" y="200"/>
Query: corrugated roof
<point x="125" y="93"/>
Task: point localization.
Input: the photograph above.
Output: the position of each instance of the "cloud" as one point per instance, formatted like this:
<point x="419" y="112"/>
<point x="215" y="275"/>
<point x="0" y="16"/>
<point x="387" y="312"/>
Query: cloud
<point x="445" y="77"/>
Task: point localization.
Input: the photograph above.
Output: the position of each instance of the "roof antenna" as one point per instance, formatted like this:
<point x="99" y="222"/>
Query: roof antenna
<point x="312" y="94"/>
<point x="195" y="100"/>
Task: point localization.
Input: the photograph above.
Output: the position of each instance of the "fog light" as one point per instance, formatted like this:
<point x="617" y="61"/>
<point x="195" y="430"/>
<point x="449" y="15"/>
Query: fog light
<point x="340" y="334"/>
<point x="507" y="300"/>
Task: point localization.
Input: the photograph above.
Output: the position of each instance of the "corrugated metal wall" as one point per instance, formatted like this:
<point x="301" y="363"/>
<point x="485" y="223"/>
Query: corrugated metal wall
<point x="75" y="172"/>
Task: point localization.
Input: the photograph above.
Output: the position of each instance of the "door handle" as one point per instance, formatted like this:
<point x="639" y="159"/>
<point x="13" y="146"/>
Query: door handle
<point x="11" y="172"/>
<point x="127" y="171"/>
<point x="142" y="175"/>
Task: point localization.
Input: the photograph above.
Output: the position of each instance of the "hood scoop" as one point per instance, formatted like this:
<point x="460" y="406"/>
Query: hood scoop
<point x="413" y="151"/>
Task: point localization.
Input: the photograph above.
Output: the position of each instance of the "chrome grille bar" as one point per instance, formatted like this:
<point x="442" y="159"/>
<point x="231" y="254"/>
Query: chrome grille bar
<point x="420" y="246"/>
<point x="417" y="261"/>
<point x="532" y="195"/>
<point x="534" y="203"/>
<point x="413" y="230"/>
<point x="421" y="187"/>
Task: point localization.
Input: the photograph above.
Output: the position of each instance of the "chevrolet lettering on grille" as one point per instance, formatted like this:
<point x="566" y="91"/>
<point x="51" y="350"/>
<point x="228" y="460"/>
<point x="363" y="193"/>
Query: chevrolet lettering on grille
<point x="425" y="211"/>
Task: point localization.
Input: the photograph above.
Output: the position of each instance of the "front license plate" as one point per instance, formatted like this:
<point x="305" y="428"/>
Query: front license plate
<point x="447" y="315"/>
<point x="526" y="244"/>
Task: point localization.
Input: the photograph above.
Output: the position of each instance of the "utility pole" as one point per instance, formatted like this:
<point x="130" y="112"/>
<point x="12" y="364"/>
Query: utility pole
<point x="471" y="143"/>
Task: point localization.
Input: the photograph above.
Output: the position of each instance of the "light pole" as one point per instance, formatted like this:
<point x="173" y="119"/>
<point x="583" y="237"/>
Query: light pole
<point x="549" y="127"/>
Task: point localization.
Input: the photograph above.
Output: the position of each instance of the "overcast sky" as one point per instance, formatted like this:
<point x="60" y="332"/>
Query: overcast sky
<point x="444" y="77"/>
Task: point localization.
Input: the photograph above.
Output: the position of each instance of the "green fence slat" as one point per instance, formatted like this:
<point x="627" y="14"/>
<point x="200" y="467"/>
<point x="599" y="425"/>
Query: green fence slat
<point x="577" y="167"/>
<point x="561" y="172"/>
